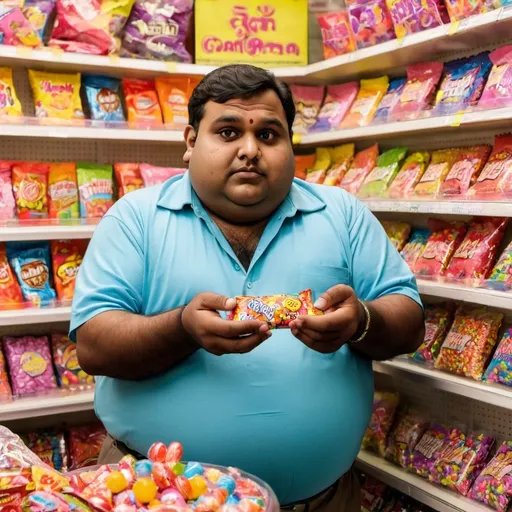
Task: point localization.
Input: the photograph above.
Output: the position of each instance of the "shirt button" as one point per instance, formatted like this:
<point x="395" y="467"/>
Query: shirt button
<point x="237" y="267"/>
<point x="249" y="285"/>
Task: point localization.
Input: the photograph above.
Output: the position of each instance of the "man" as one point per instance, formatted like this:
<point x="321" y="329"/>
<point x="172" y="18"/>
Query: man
<point x="290" y="406"/>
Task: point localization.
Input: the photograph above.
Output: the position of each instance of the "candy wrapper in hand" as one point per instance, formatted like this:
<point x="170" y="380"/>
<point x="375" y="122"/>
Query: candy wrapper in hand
<point x="277" y="310"/>
<point x="336" y="105"/>
<point x="411" y="16"/>
<point x="69" y="372"/>
<point x="10" y="291"/>
<point x="308" y="101"/>
<point x="128" y="178"/>
<point x="323" y="162"/>
<point x="500" y="368"/>
<point x="30" y="364"/>
<point x="154" y="175"/>
<point x="398" y="232"/>
<point x="342" y="157"/>
<point x="174" y="94"/>
<point x="5" y="387"/>
<point x="16" y="29"/>
<point x="50" y="447"/>
<point x="462" y="9"/>
<point x="63" y="191"/>
<point x="303" y="163"/>
<point x="498" y="89"/>
<point x="373" y="494"/>
<point x="103" y="98"/>
<point x="438" y="319"/>
<point x="95" y="188"/>
<point x="85" y="445"/>
<point x="469" y="342"/>
<point x="474" y="257"/>
<point x="396" y="86"/>
<point x="381" y="176"/>
<point x="440" y="165"/>
<point x="404" y="437"/>
<point x="408" y="176"/>
<point x="15" y="454"/>
<point x="367" y="100"/>
<point x="141" y="101"/>
<point x="337" y="34"/>
<point x="67" y="256"/>
<point x="7" y="203"/>
<point x="371" y="22"/>
<point x="30" y="186"/>
<point x="9" y="103"/>
<point x="363" y="163"/>
<point x="384" y="409"/>
<point x="39" y="14"/>
<point x="415" y="246"/>
<point x="501" y="275"/>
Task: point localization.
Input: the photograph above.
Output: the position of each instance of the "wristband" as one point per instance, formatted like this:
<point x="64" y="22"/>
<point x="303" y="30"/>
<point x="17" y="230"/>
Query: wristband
<point x="366" y="324"/>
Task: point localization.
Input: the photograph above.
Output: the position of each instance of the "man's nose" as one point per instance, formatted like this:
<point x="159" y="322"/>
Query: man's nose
<point x="248" y="147"/>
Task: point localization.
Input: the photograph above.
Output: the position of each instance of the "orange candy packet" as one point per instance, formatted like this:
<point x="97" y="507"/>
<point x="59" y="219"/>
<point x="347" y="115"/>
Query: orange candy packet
<point x="30" y="185"/>
<point x="128" y="178"/>
<point x="10" y="291"/>
<point x="141" y="100"/>
<point x="63" y="191"/>
<point x="174" y="93"/>
<point x="67" y="256"/>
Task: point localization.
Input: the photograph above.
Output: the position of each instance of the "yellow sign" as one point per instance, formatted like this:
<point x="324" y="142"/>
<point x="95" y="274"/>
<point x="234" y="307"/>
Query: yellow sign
<point x="265" y="33"/>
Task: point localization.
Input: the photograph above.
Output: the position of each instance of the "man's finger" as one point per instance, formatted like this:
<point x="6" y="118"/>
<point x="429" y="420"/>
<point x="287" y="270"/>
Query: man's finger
<point x="334" y="295"/>
<point x="337" y="321"/>
<point x="216" y="302"/>
<point x="221" y="346"/>
<point x="326" y="337"/>
<point x="234" y="329"/>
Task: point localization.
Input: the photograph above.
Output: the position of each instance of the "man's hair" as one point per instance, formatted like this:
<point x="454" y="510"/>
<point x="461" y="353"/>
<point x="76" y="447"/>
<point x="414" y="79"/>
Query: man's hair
<point x="238" y="81"/>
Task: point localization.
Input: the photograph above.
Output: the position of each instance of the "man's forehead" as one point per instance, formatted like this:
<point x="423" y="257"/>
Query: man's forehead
<point x="265" y="102"/>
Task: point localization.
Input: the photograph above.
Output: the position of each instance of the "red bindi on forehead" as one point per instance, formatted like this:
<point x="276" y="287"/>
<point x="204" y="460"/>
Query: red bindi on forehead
<point x="251" y="121"/>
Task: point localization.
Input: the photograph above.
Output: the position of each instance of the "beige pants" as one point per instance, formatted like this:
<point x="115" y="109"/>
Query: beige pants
<point x="344" y="497"/>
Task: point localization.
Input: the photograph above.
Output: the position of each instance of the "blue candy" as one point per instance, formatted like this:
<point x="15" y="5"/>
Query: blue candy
<point x="227" y="482"/>
<point x="143" y="468"/>
<point x="232" y="500"/>
<point x="193" y="469"/>
<point x="103" y="98"/>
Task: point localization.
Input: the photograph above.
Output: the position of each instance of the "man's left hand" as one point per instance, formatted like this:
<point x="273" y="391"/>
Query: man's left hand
<point x="341" y="319"/>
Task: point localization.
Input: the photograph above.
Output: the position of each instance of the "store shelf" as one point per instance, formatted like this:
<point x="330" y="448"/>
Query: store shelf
<point x="439" y="498"/>
<point x="23" y="231"/>
<point x="35" y="315"/>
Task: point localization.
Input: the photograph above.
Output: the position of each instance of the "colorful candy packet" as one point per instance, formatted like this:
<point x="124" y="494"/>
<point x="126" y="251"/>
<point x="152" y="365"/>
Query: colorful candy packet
<point x="67" y="256"/>
<point x="414" y="16"/>
<point x="49" y="446"/>
<point x="398" y="232"/>
<point x="381" y="176"/>
<point x="63" y="191"/>
<point x="174" y="93"/>
<point x="465" y="171"/>
<point x="337" y="102"/>
<point x="404" y="437"/>
<point x="323" y="162"/>
<point x="15" y="28"/>
<point x="367" y="100"/>
<point x="498" y="89"/>
<point x="9" y="103"/>
<point x="30" y="186"/>
<point x="337" y="34"/>
<point x="494" y="484"/>
<point x="5" y="387"/>
<point x="373" y="494"/>
<point x="438" y="319"/>
<point x="10" y="291"/>
<point x="38" y="13"/>
<point x="363" y="163"/>
<point x="154" y="175"/>
<point x="396" y="86"/>
<point x="419" y="91"/>
<point x="56" y="94"/>
<point x="342" y="157"/>
<point x="371" y="22"/>
<point x="85" y="445"/>
<point x="440" y="165"/>
<point x="103" y="98"/>
<point x="69" y="372"/>
<point x="442" y="243"/>
<point x="501" y="275"/>
<point x="408" y="176"/>
<point x="462" y="9"/>
<point x="469" y="342"/>
<point x="499" y="370"/>
<point x="95" y="188"/>
<point x="474" y="257"/>
<point x="277" y="310"/>
<point x="141" y="101"/>
<point x="308" y="101"/>
<point x="128" y="178"/>
<point x="7" y="203"/>
<point x="415" y="246"/>
<point x="303" y="163"/>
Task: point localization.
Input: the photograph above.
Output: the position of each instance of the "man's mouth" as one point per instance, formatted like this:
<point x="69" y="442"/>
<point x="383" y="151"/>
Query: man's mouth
<point x="247" y="173"/>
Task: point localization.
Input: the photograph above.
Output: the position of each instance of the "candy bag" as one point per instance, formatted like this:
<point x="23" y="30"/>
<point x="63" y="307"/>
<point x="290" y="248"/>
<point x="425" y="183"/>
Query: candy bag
<point x="440" y="165"/>
<point x="303" y="163"/>
<point x="442" y="243"/>
<point x="95" y="188"/>
<point x="404" y="437"/>
<point x="465" y="170"/>
<point x="67" y="256"/>
<point x="50" y="447"/>
<point x="128" y="178"/>
<point x="15" y="28"/>
<point x="323" y="162"/>
<point x="103" y="98"/>
<point x="501" y="275"/>
<point x="7" y="203"/>
<point x="38" y="14"/>
<point x="415" y="246"/>
<point x="462" y="9"/>
<point x="438" y="319"/>
<point x="63" y="191"/>
<point x="56" y="94"/>
<point x="474" y="257"/>
<point x="337" y="34"/>
<point x="308" y="100"/>
<point x="384" y="409"/>
<point x="500" y="368"/>
<point x="174" y="93"/>
<point x="373" y="494"/>
<point x="469" y="342"/>
<point x="342" y="157"/>
<point x="498" y="89"/>
<point x="371" y="22"/>
<point x="398" y="232"/>
<point x="363" y="163"/>
<point x="30" y="364"/>
<point x="153" y="175"/>
<point x="419" y="91"/>
<point x="30" y="186"/>
<point x="396" y="86"/>
<point x="336" y="105"/>
<point x="413" y="16"/>
<point x="9" y="103"/>
<point x="408" y="176"/>
<point x="85" y="445"/>
<point x="157" y="29"/>
<point x="379" y="179"/>
<point x="495" y="180"/>
<point x="5" y="387"/>
<point x="10" y="291"/>
<point x="69" y="373"/>
<point x="367" y="100"/>
<point x="141" y="100"/>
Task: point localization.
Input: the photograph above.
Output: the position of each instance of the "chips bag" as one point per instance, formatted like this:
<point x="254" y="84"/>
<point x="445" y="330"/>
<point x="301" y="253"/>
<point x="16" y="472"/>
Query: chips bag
<point x="9" y="103"/>
<point x="404" y="437"/>
<point x="363" y="163"/>
<point x="308" y="100"/>
<point x="103" y="98"/>
<point x="85" y="445"/>
<point x="411" y="16"/>
<point x="499" y="370"/>
<point x="398" y="232"/>
<point x="95" y="188"/>
<point x="69" y="372"/>
<point x="396" y="86"/>
<point x="15" y="28"/>
<point x="303" y="163"/>
<point x="153" y="175"/>
<point x="141" y="100"/>
<point x="336" y="105"/>
<point x="461" y="9"/>
<point x="30" y="186"/>
<point x="415" y="246"/>
<point x="501" y="275"/>
<point x="323" y="162"/>
<point x="342" y="157"/>
<point x="337" y="34"/>
<point x="371" y="22"/>
<point x="7" y="204"/>
<point x="38" y="14"/>
<point x="408" y="176"/>
<point x="63" y="191"/>
<point x="440" y="165"/>
<point x="67" y="256"/>
<point x="128" y="178"/>
<point x="10" y="291"/>
<point x="498" y="89"/>
<point x="174" y="93"/>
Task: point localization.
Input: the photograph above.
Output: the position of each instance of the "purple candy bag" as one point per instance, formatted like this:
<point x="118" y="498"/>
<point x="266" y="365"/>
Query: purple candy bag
<point x="157" y="29"/>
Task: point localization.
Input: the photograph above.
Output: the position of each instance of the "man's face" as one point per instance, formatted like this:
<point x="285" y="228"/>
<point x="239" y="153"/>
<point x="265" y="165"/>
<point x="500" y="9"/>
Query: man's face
<point x="241" y="161"/>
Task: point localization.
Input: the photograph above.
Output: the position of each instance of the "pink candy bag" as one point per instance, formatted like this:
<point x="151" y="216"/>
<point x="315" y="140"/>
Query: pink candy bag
<point x="498" y="89"/>
<point x="16" y="29"/>
<point x="153" y="175"/>
<point x="7" y="204"/>
<point x="337" y="103"/>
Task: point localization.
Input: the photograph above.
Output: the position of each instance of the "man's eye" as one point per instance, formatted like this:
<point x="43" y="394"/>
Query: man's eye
<point x="228" y="133"/>
<point x="267" y="135"/>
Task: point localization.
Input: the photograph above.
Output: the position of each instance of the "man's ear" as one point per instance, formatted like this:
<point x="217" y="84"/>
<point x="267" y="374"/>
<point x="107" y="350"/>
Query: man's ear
<point x="190" y="141"/>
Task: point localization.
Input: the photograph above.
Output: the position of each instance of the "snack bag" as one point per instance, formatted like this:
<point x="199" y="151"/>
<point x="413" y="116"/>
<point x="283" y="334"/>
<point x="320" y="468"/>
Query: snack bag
<point x="438" y="319"/>
<point x="408" y="176"/>
<point x="5" y="387"/>
<point x="415" y="246"/>
<point x="500" y="369"/>
<point x="30" y="364"/>
<point x="85" y="445"/>
<point x="404" y="437"/>
<point x="381" y="176"/>
<point x="363" y="163"/>
<point x="103" y="98"/>
<point x="396" y="86"/>
<point x="63" y="191"/>
<point x="337" y="34"/>
<point x="398" y="232"/>
<point x="141" y="100"/>
<point x="95" y="188"/>
<point x="56" y="94"/>
<point x="342" y="157"/>
<point x="10" y="291"/>
<point x="413" y="16"/>
<point x="15" y="28"/>
<point x="465" y="171"/>
<point x="174" y="93"/>
<point x="303" y="163"/>
<point x="336" y="105"/>
<point x="498" y="89"/>
<point x="153" y="175"/>
<point x="319" y="171"/>
<point x="30" y="186"/>
<point x="38" y="13"/>
<point x="442" y="243"/>
<point x="49" y="446"/>
<point x="501" y="275"/>
<point x="308" y="100"/>
<point x="128" y="178"/>
<point x="419" y="91"/>
<point x="495" y="180"/>
<point x="440" y="165"/>
<point x="469" y="342"/>
<point x="7" y="204"/>
<point x="373" y="494"/>
<point x="67" y="256"/>
<point x="367" y="100"/>
<point x="371" y="22"/>
<point x="9" y="103"/>
<point x="474" y="257"/>
<point x="381" y="421"/>
<point x="462" y="9"/>
<point x="69" y="373"/>
<point x="157" y="29"/>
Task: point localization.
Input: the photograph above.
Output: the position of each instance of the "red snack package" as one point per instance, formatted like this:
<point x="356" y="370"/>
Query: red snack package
<point x="30" y="185"/>
<point x="441" y="162"/>
<point x="442" y="243"/>
<point x="337" y="33"/>
<point x="141" y="100"/>
<point x="128" y="178"/>
<point x="408" y="176"/>
<point x="465" y="170"/>
<point x="10" y="291"/>
<point x="5" y="387"/>
<point x="303" y="163"/>
<point x="67" y="256"/>
<point x="85" y="445"/>
<point x="363" y="163"/>
<point x="7" y="204"/>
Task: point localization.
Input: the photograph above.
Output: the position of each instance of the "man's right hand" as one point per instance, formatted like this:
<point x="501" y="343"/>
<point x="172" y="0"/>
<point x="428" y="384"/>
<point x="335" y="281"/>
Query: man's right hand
<point x="201" y="321"/>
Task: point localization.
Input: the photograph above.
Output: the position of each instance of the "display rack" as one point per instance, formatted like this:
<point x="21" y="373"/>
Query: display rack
<point x="32" y="315"/>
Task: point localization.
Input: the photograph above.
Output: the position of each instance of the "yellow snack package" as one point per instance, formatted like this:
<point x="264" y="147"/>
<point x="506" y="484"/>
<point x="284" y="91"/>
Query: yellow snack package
<point x="319" y="170"/>
<point x="56" y="94"/>
<point x="341" y="157"/>
<point x="440" y="165"/>
<point x="367" y="100"/>
<point x="9" y="103"/>
<point x="173" y="94"/>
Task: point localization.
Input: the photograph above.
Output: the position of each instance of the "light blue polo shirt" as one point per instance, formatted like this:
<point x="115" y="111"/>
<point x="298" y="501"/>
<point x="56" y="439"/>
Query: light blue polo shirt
<point x="292" y="416"/>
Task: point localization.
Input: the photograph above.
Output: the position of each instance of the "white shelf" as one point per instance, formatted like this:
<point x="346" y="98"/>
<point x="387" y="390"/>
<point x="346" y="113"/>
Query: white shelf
<point x="35" y="315"/>
<point x="437" y="497"/>
<point x="21" y="232"/>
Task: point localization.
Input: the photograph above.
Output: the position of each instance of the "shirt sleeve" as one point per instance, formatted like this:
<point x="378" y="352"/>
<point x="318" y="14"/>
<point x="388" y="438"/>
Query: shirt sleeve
<point x="111" y="274"/>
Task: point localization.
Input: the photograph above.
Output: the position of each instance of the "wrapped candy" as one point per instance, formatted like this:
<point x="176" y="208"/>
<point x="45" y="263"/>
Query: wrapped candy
<point x="501" y="275"/>
<point x="342" y="157"/>
<point x="85" y="445"/>
<point x="373" y="494"/>
<point x="154" y="175"/>
<point x="337" y="102"/>
<point x="9" y="103"/>
<point x="38" y="14"/>
<point x="500" y="368"/>
<point x="415" y="246"/>
<point x="371" y="22"/>
<point x="303" y="163"/>
<point x="14" y="453"/>
<point x="498" y="89"/>
<point x="15" y="28"/>
<point x="323" y="162"/>
<point x="404" y="438"/>
<point x="396" y="86"/>
<point x="440" y="165"/>
<point x="337" y="34"/>
<point x="363" y="163"/>
<point x="469" y="342"/>
<point x="69" y="372"/>
<point x="30" y="186"/>
<point x="63" y="191"/>
<point x="103" y="97"/>
<point x="95" y="187"/>
<point x="128" y="178"/>
<point x="141" y="99"/>
<point x="7" y="203"/>
<point x="10" y="291"/>
<point x="50" y="447"/>
<point x="398" y="232"/>
<point x="308" y="101"/>
<point x="174" y="93"/>
<point x="461" y="9"/>
<point x="411" y="16"/>
<point x="408" y="176"/>
<point x="67" y="256"/>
